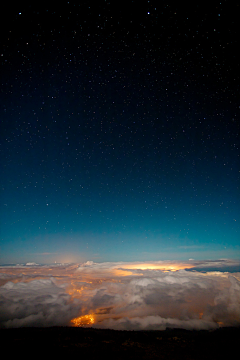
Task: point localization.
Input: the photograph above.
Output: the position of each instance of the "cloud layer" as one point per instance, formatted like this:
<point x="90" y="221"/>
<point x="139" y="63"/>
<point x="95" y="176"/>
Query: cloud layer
<point x="127" y="296"/>
<point x="36" y="303"/>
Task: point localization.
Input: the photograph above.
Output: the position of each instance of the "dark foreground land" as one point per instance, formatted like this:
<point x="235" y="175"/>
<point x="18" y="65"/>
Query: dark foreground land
<point x="111" y="344"/>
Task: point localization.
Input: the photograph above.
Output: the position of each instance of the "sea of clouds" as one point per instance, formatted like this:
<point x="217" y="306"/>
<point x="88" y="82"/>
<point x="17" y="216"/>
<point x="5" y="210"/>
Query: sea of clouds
<point x="126" y="296"/>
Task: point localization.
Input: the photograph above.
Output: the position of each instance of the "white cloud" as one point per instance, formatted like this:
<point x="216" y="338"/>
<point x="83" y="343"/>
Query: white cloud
<point x="36" y="303"/>
<point x="31" y="264"/>
<point x="122" y="295"/>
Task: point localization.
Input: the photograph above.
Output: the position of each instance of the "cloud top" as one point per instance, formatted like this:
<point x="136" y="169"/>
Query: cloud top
<point x="36" y="303"/>
<point x="127" y="296"/>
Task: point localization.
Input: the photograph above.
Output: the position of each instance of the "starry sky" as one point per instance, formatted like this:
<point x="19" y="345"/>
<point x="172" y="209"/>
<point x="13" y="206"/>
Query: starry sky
<point x="119" y="132"/>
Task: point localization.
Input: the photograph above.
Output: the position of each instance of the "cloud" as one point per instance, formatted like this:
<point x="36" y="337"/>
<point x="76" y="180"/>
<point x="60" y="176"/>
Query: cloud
<point x="133" y="296"/>
<point x="31" y="264"/>
<point x="36" y="303"/>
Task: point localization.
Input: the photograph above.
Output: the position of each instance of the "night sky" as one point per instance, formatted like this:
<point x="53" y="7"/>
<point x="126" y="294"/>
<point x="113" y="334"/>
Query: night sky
<point x="119" y="132"/>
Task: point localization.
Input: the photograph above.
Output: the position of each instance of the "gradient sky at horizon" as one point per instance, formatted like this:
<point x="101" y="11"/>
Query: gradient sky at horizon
<point x="119" y="132"/>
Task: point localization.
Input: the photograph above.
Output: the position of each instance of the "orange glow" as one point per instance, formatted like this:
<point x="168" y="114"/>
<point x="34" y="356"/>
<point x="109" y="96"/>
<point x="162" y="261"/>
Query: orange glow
<point x="166" y="267"/>
<point x="83" y="320"/>
<point x="75" y="291"/>
<point x="117" y="272"/>
<point x="200" y="315"/>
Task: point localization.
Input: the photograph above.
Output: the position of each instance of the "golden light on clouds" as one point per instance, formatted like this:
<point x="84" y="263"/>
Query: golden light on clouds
<point x="156" y="266"/>
<point x="84" y="320"/>
<point x="120" y="272"/>
<point x="120" y="295"/>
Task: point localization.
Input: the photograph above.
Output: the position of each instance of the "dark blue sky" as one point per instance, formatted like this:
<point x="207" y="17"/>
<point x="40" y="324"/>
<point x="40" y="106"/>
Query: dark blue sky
<point x="119" y="132"/>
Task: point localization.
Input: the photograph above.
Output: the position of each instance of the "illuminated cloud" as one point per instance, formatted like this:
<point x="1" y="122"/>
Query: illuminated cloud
<point x="137" y="295"/>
